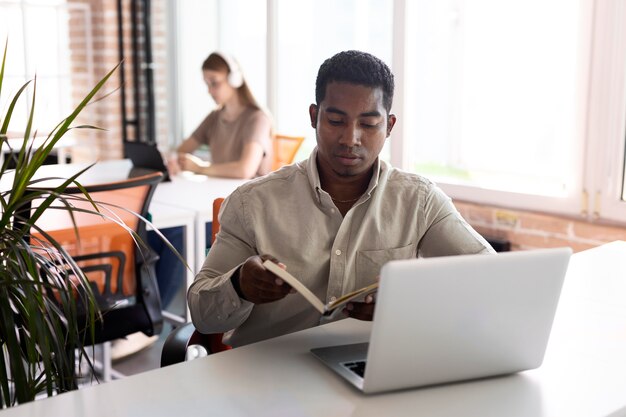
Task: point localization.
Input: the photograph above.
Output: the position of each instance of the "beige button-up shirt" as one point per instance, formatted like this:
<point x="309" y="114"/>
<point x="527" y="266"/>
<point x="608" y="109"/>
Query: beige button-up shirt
<point x="287" y="214"/>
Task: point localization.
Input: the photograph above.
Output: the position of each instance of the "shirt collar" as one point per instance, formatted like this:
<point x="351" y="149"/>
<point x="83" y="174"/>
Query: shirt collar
<point x="314" y="175"/>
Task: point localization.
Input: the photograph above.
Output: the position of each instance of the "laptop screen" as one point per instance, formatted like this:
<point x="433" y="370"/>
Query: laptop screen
<point x="145" y="156"/>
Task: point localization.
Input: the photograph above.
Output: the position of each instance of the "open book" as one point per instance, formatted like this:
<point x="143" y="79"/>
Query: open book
<point x="312" y="298"/>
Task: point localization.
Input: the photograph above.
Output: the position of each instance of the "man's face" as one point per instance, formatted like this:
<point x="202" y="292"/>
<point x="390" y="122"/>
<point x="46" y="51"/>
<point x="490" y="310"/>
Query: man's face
<point x="351" y="127"/>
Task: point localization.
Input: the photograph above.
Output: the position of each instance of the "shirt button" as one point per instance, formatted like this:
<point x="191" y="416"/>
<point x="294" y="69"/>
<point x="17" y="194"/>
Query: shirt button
<point x="338" y="252"/>
<point x="219" y="317"/>
<point x="333" y="298"/>
<point x="234" y="304"/>
<point x="332" y="210"/>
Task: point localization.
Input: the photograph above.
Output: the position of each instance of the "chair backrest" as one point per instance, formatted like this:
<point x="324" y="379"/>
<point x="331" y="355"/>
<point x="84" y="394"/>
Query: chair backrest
<point x="215" y="225"/>
<point x="285" y="149"/>
<point x="111" y="249"/>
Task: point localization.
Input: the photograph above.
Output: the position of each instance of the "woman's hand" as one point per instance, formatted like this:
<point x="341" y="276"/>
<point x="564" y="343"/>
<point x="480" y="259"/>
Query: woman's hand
<point x="189" y="162"/>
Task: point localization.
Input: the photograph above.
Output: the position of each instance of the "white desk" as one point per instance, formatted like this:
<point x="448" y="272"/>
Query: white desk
<point x="196" y="193"/>
<point x="187" y="194"/>
<point x="584" y="373"/>
<point x="163" y="215"/>
<point x="185" y="191"/>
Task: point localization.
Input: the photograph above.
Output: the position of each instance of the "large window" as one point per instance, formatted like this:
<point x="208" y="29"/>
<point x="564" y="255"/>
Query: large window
<point x="280" y="66"/>
<point x="39" y="45"/>
<point x="495" y="94"/>
<point x="308" y="32"/>
<point x="515" y="103"/>
<point x="490" y="101"/>
<point x="605" y="169"/>
<point x="237" y="27"/>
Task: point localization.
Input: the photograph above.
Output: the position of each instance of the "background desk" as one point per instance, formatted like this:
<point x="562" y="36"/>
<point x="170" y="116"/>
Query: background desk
<point x="173" y="202"/>
<point x="196" y="193"/>
<point x="163" y="215"/>
<point x="584" y="373"/>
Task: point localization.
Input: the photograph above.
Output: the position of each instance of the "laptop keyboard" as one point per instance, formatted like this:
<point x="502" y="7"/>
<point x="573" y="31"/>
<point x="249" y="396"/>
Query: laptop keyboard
<point x="358" y="367"/>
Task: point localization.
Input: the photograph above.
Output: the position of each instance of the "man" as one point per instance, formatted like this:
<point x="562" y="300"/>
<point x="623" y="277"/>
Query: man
<point x="332" y="220"/>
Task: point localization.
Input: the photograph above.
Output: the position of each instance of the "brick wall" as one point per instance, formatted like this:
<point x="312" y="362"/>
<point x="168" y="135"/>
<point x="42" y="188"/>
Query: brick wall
<point x="101" y="33"/>
<point x="159" y="58"/>
<point x="529" y="230"/>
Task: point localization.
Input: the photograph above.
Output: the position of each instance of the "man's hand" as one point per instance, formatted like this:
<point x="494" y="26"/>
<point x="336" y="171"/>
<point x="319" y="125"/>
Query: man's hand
<point x="258" y="285"/>
<point x="362" y="311"/>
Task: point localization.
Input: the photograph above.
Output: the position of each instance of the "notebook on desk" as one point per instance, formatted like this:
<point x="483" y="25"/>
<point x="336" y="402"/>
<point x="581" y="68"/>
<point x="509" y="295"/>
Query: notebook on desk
<point x="145" y="158"/>
<point x="455" y="318"/>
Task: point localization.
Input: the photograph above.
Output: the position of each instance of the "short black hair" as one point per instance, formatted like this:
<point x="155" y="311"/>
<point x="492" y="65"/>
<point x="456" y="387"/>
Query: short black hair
<point x="355" y="67"/>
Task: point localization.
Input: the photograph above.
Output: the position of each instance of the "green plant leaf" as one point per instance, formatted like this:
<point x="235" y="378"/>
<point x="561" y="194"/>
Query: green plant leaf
<point x="41" y="285"/>
<point x="9" y="113"/>
<point x="4" y="59"/>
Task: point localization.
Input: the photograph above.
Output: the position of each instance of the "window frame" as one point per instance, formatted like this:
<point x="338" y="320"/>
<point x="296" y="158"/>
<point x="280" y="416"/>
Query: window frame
<point x="571" y="205"/>
<point x="606" y="138"/>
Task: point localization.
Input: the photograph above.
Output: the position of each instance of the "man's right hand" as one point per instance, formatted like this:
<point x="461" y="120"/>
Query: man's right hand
<point x="258" y="285"/>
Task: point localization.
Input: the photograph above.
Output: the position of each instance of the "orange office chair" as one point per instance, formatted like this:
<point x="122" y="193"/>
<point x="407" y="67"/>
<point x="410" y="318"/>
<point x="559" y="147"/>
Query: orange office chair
<point x="119" y="268"/>
<point x="285" y="149"/>
<point x="179" y="340"/>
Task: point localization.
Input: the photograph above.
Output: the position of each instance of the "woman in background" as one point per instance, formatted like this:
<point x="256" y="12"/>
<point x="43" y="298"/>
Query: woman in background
<point x="238" y="132"/>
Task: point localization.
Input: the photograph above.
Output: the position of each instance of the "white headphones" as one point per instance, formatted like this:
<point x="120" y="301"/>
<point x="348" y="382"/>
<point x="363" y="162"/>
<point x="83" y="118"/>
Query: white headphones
<point x="235" y="76"/>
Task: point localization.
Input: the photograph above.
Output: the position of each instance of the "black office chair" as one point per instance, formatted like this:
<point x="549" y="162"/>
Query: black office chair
<point x="119" y="267"/>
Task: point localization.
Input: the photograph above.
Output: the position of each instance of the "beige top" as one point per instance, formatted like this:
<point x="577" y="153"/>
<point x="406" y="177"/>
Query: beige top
<point x="287" y="214"/>
<point x="226" y="139"/>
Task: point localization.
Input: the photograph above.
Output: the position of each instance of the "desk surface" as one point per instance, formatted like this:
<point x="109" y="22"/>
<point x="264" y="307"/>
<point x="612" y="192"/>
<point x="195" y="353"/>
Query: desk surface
<point x="173" y="203"/>
<point x="185" y="190"/>
<point x="584" y="372"/>
<point x="186" y="196"/>
<point x="163" y="215"/>
<point x="195" y="192"/>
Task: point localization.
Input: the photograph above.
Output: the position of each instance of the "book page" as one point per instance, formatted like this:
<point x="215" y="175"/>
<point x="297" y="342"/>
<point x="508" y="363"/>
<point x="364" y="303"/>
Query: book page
<point x="345" y="299"/>
<point x="297" y="285"/>
<point x="312" y="298"/>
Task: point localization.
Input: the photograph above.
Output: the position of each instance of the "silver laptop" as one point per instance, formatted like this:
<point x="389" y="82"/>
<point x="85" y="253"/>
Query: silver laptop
<point x="455" y="318"/>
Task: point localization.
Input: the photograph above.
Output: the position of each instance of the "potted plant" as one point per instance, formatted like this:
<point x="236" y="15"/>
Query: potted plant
<point x="40" y="339"/>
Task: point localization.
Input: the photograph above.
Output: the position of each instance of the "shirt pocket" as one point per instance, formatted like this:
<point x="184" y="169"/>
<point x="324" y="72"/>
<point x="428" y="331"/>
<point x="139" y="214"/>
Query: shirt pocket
<point x="369" y="262"/>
